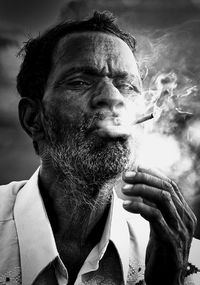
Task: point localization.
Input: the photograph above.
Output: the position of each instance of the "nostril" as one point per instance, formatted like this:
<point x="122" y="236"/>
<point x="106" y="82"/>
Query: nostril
<point x="108" y="103"/>
<point x="120" y="104"/>
<point x="101" y="104"/>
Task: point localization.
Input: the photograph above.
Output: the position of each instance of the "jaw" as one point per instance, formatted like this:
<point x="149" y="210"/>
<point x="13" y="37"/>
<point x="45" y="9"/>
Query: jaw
<point x="81" y="156"/>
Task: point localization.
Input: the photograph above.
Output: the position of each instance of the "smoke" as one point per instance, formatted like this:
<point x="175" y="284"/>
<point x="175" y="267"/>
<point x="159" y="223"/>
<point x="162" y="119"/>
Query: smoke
<point x="170" y="61"/>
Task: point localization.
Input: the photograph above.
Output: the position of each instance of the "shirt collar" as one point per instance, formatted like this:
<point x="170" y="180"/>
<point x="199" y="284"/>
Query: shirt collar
<point x="115" y="230"/>
<point x="36" y="241"/>
<point x="119" y="234"/>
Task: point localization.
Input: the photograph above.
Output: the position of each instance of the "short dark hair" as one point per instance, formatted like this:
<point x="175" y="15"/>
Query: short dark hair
<point x="38" y="52"/>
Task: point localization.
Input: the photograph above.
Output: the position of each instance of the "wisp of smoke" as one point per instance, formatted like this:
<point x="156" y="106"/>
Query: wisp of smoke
<point x="172" y="93"/>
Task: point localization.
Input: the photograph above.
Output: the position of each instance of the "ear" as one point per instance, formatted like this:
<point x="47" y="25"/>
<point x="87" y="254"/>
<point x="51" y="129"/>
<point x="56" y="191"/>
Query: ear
<point x="30" y="118"/>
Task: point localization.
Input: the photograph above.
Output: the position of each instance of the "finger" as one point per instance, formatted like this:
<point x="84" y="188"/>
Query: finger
<point x="157" y="173"/>
<point x="155" y="178"/>
<point x="161" y="182"/>
<point x="154" y="172"/>
<point x="154" y="181"/>
<point x="145" y="178"/>
<point x="189" y="210"/>
<point x="180" y="195"/>
<point x="134" y="199"/>
<point x="162" y="199"/>
<point x="182" y="206"/>
<point x="152" y="215"/>
<point x="173" y="212"/>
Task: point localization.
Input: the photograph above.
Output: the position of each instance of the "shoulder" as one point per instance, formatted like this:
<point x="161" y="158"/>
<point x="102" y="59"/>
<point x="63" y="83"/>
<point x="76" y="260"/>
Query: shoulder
<point x="8" y="195"/>
<point x="9" y="247"/>
<point x="195" y="251"/>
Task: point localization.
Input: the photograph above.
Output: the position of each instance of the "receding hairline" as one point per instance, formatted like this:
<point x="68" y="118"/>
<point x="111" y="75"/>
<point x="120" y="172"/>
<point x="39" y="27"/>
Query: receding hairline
<point x="38" y="52"/>
<point x="61" y="49"/>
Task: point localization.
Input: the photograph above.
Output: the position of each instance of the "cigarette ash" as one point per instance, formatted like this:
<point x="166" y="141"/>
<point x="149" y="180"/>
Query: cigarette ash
<point x="172" y="93"/>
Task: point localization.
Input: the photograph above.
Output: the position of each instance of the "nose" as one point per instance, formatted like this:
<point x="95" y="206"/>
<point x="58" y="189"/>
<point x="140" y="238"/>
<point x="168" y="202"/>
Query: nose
<point x="108" y="97"/>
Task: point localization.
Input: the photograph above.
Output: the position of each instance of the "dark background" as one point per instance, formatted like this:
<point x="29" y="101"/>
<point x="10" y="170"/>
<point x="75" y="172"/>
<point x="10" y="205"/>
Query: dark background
<point x="168" y="35"/>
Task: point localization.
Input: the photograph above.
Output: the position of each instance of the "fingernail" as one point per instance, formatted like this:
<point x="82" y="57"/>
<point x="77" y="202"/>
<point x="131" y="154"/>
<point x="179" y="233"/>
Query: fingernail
<point x="129" y="174"/>
<point x="127" y="187"/>
<point x="127" y="202"/>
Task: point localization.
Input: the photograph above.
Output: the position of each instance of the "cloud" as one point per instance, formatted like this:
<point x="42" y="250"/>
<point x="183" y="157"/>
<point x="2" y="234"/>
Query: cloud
<point x="9" y="45"/>
<point x="5" y="42"/>
<point x="29" y="14"/>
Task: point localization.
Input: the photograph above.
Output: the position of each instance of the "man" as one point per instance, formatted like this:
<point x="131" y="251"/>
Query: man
<point x="81" y="98"/>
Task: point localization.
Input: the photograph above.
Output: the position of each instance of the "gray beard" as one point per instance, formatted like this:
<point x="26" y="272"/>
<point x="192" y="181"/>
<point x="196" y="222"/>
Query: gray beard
<point x="85" y="163"/>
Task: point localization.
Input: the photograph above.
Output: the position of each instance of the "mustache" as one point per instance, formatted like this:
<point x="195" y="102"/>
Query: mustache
<point x="90" y="122"/>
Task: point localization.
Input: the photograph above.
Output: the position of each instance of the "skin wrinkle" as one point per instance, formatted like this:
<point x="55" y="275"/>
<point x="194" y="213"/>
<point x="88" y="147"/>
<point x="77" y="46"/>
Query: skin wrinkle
<point x="69" y="166"/>
<point x="92" y="71"/>
<point x="87" y="130"/>
<point x="78" y="45"/>
<point x="98" y="43"/>
<point x="85" y="166"/>
<point x="88" y="143"/>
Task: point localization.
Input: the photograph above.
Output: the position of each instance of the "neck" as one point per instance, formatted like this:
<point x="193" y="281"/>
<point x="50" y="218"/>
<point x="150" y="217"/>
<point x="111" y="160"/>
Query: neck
<point x="76" y="208"/>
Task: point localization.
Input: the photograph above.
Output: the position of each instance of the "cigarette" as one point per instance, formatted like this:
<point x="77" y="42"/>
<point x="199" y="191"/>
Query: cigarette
<point x="144" y="119"/>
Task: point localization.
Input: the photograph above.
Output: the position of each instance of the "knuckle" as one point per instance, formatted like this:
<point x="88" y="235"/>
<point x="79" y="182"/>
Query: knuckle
<point x="140" y="176"/>
<point x="157" y="215"/>
<point x="190" y="222"/>
<point x="182" y="238"/>
<point x="181" y="232"/>
<point x="146" y="176"/>
<point x="193" y="217"/>
<point x="191" y="214"/>
<point x="143" y="187"/>
<point x="174" y="185"/>
<point x="166" y="196"/>
<point x="193" y="222"/>
<point x="167" y="186"/>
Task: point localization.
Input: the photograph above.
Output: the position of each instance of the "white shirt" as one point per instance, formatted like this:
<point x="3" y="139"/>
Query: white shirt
<point x="28" y="248"/>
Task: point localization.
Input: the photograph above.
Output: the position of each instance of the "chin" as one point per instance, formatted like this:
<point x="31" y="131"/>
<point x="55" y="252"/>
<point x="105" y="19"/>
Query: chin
<point x="104" y="159"/>
<point x="93" y="158"/>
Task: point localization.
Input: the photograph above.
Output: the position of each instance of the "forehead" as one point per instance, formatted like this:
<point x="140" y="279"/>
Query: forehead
<point x="102" y="51"/>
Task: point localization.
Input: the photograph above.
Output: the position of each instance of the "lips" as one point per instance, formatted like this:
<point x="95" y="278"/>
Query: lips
<point x="108" y="124"/>
<point x="113" y="127"/>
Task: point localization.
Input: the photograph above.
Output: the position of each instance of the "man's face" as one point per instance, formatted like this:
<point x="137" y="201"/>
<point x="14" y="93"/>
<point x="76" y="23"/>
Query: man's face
<point x="92" y="98"/>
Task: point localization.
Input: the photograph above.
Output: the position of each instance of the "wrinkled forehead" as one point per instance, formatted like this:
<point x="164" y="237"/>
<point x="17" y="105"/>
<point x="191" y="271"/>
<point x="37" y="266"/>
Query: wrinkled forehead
<point x="97" y="49"/>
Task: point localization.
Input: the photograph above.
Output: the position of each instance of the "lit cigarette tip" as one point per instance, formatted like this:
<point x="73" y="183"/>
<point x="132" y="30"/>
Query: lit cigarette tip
<point x="144" y="119"/>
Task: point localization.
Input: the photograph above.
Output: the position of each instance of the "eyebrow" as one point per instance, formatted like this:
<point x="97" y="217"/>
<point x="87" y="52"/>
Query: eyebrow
<point x="93" y="71"/>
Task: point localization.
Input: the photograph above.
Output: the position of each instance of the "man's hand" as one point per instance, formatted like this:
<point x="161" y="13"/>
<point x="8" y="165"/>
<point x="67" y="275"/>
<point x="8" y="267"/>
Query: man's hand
<point x="158" y="199"/>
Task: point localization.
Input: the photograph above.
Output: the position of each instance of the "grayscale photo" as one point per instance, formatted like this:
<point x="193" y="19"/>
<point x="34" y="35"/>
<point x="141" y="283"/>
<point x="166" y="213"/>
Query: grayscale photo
<point x="100" y="142"/>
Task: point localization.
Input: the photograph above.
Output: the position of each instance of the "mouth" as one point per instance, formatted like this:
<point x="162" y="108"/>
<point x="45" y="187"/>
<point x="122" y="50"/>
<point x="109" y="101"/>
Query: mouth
<point x="112" y="127"/>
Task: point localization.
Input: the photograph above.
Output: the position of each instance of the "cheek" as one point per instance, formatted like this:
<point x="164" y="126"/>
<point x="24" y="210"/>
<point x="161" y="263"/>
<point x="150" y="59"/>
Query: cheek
<point x="71" y="114"/>
<point x="65" y="110"/>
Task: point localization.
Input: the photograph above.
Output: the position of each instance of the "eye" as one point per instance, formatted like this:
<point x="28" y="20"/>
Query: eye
<point x="78" y="84"/>
<point x="126" y="87"/>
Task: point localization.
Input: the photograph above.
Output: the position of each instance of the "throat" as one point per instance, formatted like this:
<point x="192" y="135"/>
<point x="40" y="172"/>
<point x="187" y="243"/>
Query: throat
<point x="74" y="217"/>
<point x="79" y="240"/>
<point x="77" y="213"/>
<point x="82" y="228"/>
